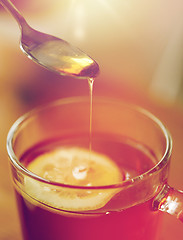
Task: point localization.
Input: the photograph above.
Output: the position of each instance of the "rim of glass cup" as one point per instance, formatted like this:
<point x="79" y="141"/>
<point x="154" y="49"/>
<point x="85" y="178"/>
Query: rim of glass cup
<point x="162" y="162"/>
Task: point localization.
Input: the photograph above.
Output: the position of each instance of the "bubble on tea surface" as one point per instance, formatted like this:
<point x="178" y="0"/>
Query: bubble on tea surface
<point x="75" y="167"/>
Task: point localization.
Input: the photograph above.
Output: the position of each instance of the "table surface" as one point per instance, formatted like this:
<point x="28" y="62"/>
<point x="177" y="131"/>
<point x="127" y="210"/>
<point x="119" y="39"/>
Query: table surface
<point x="20" y="92"/>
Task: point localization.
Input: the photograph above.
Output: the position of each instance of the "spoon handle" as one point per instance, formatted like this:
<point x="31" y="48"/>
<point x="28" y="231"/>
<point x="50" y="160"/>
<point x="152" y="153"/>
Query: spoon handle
<point x="8" y="5"/>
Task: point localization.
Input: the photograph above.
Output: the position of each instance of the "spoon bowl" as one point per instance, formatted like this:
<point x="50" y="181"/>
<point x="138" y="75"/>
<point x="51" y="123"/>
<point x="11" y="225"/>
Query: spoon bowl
<point x="51" y="52"/>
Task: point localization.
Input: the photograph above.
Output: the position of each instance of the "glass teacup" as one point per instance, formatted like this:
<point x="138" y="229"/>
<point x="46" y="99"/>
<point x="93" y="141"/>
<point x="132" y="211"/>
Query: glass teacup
<point x="65" y="191"/>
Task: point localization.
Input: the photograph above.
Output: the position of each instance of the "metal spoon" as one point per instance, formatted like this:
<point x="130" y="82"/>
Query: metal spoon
<point x="51" y="52"/>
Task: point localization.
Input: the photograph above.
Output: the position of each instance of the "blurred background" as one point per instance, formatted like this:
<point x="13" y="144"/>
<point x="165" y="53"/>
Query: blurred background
<point x="139" y="47"/>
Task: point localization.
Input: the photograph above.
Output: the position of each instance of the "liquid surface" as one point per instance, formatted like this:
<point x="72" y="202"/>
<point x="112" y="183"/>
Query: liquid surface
<point x="70" y="162"/>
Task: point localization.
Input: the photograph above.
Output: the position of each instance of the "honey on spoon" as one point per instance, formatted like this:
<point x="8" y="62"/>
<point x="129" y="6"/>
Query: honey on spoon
<point x="51" y="52"/>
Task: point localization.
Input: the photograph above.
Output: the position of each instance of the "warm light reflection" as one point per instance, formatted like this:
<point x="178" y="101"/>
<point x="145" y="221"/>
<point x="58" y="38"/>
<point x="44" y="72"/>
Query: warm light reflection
<point x="83" y="61"/>
<point x="75" y="65"/>
<point x="171" y="205"/>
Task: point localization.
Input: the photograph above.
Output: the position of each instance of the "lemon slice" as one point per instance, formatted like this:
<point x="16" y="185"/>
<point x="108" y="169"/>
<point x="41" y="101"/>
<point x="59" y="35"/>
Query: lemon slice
<point x="77" y="167"/>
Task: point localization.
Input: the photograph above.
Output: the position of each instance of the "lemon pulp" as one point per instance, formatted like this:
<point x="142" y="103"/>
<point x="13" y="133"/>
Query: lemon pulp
<point x="73" y="166"/>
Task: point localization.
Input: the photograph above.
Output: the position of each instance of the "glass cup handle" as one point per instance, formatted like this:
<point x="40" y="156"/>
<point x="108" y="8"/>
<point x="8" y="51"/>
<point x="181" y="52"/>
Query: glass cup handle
<point x="170" y="200"/>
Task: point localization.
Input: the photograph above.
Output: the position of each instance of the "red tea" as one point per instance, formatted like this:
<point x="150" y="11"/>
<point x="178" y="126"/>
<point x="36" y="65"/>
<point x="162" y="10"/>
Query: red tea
<point x="75" y="214"/>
